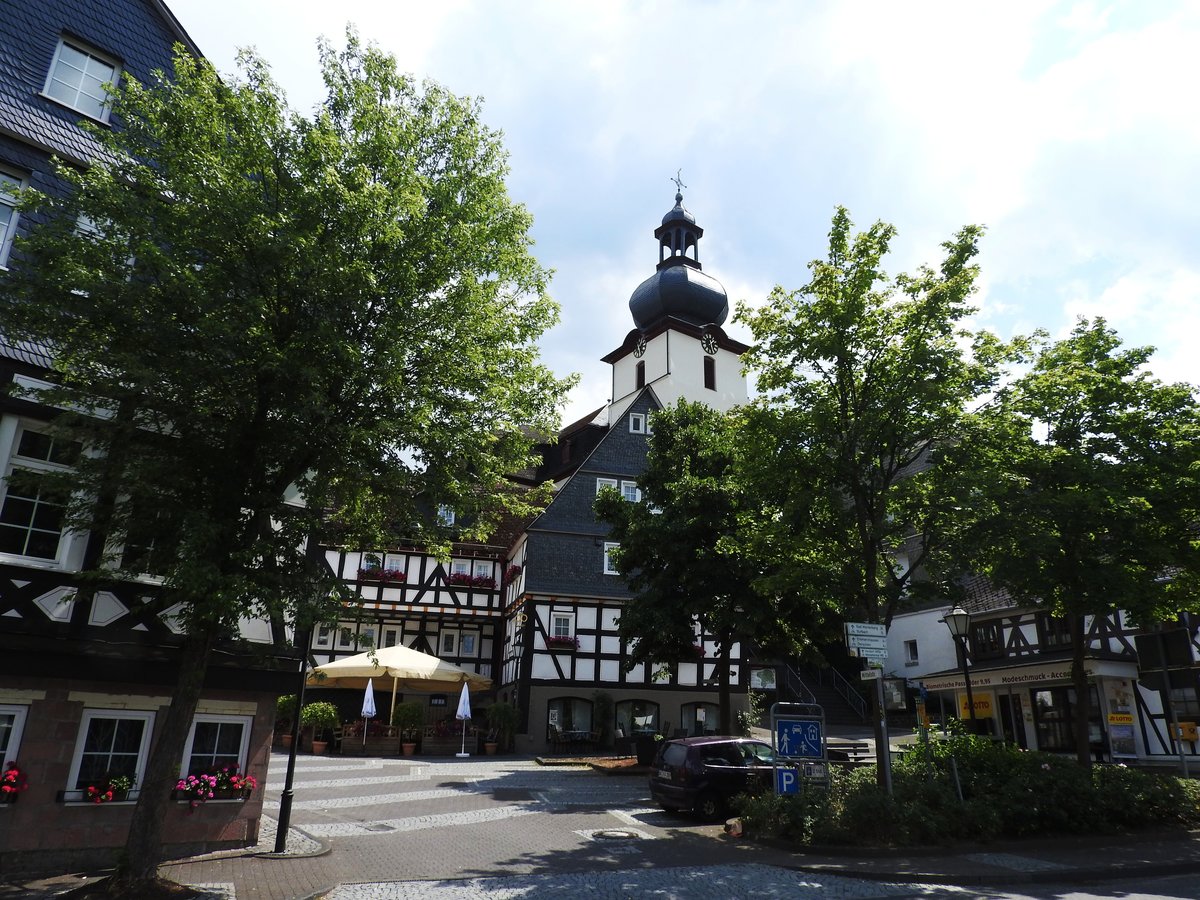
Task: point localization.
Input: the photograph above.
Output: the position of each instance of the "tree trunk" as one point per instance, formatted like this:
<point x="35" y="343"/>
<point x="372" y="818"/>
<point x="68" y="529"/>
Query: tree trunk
<point x="1083" y="696"/>
<point x="143" y="848"/>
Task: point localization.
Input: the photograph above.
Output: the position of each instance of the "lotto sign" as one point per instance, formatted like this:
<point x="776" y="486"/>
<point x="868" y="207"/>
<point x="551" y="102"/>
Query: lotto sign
<point x="799" y="739"/>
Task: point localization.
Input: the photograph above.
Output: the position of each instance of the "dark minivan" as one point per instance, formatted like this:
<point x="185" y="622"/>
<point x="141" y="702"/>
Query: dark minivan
<point x="703" y="773"/>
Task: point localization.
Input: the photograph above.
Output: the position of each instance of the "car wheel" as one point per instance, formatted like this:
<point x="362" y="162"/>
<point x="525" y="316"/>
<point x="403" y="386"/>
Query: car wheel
<point x="710" y="806"/>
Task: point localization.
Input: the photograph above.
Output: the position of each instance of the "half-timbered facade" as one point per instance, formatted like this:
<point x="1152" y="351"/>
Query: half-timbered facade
<point x="1019" y="664"/>
<point x="87" y="666"/>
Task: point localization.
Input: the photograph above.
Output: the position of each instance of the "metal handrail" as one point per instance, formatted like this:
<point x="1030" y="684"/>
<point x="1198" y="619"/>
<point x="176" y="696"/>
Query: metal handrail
<point x="846" y="689"/>
<point x="796" y="685"/>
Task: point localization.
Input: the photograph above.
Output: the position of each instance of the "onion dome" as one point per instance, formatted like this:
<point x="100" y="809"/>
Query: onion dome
<point x="679" y="289"/>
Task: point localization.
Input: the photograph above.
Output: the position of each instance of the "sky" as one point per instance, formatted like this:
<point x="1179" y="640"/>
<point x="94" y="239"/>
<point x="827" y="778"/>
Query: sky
<point x="1068" y="130"/>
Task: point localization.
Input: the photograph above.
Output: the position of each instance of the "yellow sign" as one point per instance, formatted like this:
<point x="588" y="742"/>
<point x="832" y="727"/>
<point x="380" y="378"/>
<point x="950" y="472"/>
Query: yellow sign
<point x="1120" y="718"/>
<point x="1188" y="731"/>
<point x="983" y="706"/>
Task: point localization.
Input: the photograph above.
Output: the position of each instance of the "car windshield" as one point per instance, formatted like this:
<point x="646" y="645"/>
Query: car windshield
<point x="758" y="753"/>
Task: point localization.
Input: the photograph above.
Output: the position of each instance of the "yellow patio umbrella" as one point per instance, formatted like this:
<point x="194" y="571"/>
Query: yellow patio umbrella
<point x="408" y="669"/>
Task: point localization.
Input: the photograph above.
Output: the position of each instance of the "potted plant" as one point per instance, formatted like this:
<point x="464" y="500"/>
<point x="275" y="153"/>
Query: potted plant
<point x="502" y="721"/>
<point x="409" y="718"/>
<point x="12" y="782"/>
<point x="322" y="718"/>
<point x="109" y="789"/>
<point x="225" y="783"/>
<point x="285" y="715"/>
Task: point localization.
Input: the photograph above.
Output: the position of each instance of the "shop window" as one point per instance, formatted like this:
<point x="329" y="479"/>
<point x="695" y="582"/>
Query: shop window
<point x="637" y="717"/>
<point x="699" y="718"/>
<point x="571" y="717"/>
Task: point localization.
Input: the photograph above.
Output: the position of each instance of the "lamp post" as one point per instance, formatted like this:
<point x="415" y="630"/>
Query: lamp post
<point x="958" y="620"/>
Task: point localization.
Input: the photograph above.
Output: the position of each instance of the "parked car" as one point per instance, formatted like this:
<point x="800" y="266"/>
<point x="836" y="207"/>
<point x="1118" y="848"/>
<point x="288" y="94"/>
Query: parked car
<point x="702" y="773"/>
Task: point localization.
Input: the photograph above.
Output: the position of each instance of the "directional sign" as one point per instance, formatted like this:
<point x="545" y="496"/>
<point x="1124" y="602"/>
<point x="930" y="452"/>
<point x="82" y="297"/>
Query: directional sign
<point x="866" y="628"/>
<point x="868" y="653"/>
<point x="870" y="674"/>
<point x="867" y="640"/>
<point x="799" y="738"/>
<point x="787" y="781"/>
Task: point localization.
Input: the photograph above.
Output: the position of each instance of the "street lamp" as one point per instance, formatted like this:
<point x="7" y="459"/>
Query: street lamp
<point x="958" y="620"/>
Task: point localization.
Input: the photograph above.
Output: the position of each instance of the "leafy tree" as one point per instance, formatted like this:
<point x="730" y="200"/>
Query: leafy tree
<point x="1090" y="498"/>
<point x="680" y="550"/>
<point x="277" y="319"/>
<point x="863" y="378"/>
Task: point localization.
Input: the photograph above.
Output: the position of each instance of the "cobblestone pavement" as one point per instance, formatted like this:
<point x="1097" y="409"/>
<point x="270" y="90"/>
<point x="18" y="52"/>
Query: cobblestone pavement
<point x="493" y="827"/>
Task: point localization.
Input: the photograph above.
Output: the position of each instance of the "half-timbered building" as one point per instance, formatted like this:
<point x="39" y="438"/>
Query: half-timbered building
<point x="1018" y="660"/>
<point x="87" y="665"/>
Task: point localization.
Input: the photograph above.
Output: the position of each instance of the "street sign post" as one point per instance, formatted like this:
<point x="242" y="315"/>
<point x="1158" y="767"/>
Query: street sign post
<point x="867" y="640"/>
<point x="866" y="629"/>
<point x="798" y="736"/>
<point x="870" y="674"/>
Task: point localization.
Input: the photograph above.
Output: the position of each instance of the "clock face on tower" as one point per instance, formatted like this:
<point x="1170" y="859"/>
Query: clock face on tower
<point x="709" y="343"/>
<point x="640" y="350"/>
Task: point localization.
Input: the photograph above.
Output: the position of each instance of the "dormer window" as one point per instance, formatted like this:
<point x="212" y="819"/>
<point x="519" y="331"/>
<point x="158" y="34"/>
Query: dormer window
<point x="77" y="78"/>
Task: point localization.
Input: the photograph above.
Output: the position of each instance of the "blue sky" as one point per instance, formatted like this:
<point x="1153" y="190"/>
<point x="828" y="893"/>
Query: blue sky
<point x="1070" y="130"/>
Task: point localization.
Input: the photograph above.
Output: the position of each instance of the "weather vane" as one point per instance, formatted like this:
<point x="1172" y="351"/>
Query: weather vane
<point x="679" y="185"/>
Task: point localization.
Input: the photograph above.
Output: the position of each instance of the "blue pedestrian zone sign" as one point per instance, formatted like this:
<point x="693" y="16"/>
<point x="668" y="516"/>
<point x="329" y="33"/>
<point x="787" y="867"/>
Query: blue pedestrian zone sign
<point x="799" y="739"/>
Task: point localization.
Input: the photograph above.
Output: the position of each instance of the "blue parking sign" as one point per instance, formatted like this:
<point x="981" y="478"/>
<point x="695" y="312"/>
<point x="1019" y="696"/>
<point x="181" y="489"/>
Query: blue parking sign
<point x="787" y="781"/>
<point x="799" y="739"/>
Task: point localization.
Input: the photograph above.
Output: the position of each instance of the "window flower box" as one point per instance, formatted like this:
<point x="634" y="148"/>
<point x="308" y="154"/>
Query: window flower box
<point x="111" y="789"/>
<point x="384" y="576"/>
<point x="698" y="651"/>
<point x="225" y="783"/>
<point x="562" y="643"/>
<point x="475" y="581"/>
<point x="511" y="573"/>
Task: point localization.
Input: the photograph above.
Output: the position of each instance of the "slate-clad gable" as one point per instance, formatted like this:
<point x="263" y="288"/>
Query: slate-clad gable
<point x="566" y="543"/>
<point x="135" y="33"/>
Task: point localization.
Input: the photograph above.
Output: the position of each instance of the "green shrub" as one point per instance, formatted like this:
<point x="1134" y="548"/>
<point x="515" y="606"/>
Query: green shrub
<point x="1006" y="792"/>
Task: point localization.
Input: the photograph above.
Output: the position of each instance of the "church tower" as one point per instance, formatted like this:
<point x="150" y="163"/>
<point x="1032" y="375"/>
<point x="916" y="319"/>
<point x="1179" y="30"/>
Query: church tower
<point x="677" y="346"/>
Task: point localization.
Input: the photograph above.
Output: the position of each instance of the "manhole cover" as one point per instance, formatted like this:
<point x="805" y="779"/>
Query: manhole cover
<point x="614" y="835"/>
<point x="378" y="826"/>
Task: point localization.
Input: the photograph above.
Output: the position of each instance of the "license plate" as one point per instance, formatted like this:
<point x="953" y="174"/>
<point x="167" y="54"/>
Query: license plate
<point x="664" y="774"/>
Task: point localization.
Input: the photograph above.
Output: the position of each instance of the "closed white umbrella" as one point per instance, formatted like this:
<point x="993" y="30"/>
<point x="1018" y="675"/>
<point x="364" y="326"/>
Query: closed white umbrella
<point x="368" y="708"/>
<point x="464" y="713"/>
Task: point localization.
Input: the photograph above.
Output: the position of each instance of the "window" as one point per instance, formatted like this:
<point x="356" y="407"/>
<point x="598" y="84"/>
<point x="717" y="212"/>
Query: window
<point x="561" y="625"/>
<point x="986" y="641"/>
<point x="610" y="566"/>
<point x="483" y="570"/>
<point x="389" y="637"/>
<point x="910" y="653"/>
<point x="31" y="517"/>
<point x="77" y="79"/>
<point x="9" y="185"/>
<point x="641" y="374"/>
<point x="637" y="717"/>
<point x="1054" y="632"/>
<point x="111" y="743"/>
<point x="602" y="483"/>
<point x="12" y="723"/>
<point x="449" y="641"/>
<point x="324" y="635"/>
<point x="445" y="516"/>
<point x="216" y="742"/>
<point x="637" y="423"/>
<point x="630" y="491"/>
<point x="150" y="543"/>
<point x="710" y="373"/>
<point x="468" y="644"/>
<point x="345" y="638"/>
<point x="460" y="567"/>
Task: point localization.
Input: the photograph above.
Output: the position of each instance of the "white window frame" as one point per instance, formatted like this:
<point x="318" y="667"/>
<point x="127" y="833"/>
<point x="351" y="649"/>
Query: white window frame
<point x="345" y="636"/>
<point x="8" y="200"/>
<point x="609" y="568"/>
<point x="452" y="650"/>
<point x="460" y="567"/>
<point x="30" y="464"/>
<point x="445" y="515"/>
<point x="602" y="483"/>
<point x="483" y="570"/>
<point x="557" y="618"/>
<point x="631" y="492"/>
<point x="92" y="54"/>
<point x="147" y="717"/>
<point x="395" y="561"/>
<point x="391" y="637"/>
<point x="246" y="722"/>
<point x="637" y="423"/>
<point x="365" y="639"/>
<point x="911" y="652"/>
<point x="324" y="636"/>
<point x="468" y="643"/>
<point x="11" y="752"/>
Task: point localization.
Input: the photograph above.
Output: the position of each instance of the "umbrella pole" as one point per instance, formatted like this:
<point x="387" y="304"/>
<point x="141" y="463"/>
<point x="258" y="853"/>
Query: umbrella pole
<point x="464" y="739"/>
<point x="392" y="714"/>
